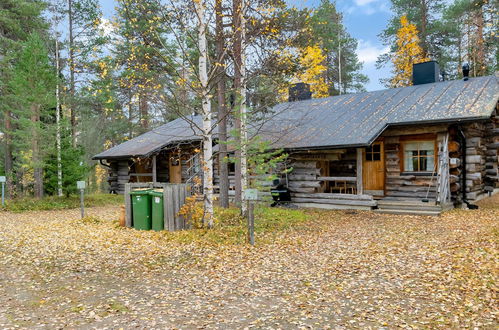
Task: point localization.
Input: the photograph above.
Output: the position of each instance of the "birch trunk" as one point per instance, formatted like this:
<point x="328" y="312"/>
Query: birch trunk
<point x="242" y="109"/>
<point x="223" y="170"/>
<point x="206" y="114"/>
<point x="236" y="22"/>
<point x="58" y="120"/>
<point x="71" y="74"/>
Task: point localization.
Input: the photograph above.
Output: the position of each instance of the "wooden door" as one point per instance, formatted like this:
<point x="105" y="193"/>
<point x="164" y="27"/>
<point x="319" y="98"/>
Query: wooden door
<point x="373" y="171"/>
<point x="175" y="170"/>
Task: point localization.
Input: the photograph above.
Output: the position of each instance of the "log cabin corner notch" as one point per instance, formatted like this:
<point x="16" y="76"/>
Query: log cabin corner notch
<point x="361" y="150"/>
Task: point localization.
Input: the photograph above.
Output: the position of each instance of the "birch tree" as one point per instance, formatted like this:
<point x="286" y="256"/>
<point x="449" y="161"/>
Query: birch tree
<point x="200" y="6"/>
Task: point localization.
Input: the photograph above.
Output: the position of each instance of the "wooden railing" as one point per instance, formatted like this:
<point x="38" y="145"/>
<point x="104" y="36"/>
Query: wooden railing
<point x="342" y="184"/>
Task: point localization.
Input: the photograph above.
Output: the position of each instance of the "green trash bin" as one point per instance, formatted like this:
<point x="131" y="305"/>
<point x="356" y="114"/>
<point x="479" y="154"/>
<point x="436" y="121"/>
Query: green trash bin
<point x="158" y="213"/>
<point x="141" y="209"/>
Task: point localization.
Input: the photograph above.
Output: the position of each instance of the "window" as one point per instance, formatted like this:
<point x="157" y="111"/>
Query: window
<point x="373" y="153"/>
<point x="419" y="156"/>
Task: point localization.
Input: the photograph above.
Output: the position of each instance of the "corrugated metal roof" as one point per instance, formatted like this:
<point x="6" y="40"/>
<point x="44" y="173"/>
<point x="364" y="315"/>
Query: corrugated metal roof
<point x="345" y="120"/>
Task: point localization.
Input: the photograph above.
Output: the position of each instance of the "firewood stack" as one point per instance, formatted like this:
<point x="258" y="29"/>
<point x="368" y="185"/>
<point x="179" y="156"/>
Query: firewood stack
<point x="455" y="169"/>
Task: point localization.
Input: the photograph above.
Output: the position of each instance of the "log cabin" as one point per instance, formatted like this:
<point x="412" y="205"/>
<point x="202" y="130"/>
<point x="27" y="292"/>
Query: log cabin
<point x="412" y="150"/>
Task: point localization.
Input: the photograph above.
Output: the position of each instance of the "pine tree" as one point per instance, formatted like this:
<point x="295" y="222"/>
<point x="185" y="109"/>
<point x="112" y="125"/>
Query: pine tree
<point x="30" y="91"/>
<point x="408" y="53"/>
<point x="468" y="27"/>
<point x="18" y="18"/>
<point x="85" y="40"/>
<point x="143" y="57"/>
<point x="343" y="67"/>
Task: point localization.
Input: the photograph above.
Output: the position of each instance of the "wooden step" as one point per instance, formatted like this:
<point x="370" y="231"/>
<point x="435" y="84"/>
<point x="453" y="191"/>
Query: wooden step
<point x="394" y="205"/>
<point x="407" y="212"/>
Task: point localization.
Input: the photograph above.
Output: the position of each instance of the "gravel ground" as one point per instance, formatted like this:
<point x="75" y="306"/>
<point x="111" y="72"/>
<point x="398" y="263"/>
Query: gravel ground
<point x="340" y="270"/>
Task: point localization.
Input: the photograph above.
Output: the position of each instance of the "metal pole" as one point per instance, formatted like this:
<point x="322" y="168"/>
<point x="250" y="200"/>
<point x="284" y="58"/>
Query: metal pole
<point x="251" y="223"/>
<point x="82" y="203"/>
<point x="3" y="194"/>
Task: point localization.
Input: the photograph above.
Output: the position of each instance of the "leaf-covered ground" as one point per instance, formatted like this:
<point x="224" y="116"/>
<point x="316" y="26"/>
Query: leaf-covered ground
<point x="335" y="269"/>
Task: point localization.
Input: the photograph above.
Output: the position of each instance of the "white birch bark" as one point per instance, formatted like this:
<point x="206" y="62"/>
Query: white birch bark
<point x="58" y="118"/>
<point x="206" y="114"/>
<point x="243" y="110"/>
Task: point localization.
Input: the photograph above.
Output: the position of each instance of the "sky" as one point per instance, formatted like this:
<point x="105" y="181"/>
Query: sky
<point x="364" y="20"/>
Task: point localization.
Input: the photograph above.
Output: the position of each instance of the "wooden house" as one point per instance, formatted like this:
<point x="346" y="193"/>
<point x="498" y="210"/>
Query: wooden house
<point x="417" y="149"/>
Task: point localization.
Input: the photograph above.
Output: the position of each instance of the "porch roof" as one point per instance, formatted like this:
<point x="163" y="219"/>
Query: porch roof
<point x="341" y="121"/>
<point x="180" y="130"/>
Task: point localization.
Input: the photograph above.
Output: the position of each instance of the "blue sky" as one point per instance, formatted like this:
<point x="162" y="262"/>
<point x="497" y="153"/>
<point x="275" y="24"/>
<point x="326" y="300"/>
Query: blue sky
<point x="364" y="20"/>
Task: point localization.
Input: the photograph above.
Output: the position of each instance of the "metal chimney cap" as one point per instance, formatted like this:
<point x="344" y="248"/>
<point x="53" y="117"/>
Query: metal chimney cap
<point x="466" y="71"/>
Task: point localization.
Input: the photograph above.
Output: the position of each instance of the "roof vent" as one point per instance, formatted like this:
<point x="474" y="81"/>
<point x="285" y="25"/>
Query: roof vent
<point x="299" y="92"/>
<point x="425" y="73"/>
<point x="466" y="71"/>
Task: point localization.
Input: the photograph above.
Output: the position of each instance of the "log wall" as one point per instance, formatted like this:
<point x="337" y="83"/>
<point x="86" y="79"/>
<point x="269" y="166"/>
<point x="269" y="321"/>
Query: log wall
<point x="482" y="144"/>
<point x="400" y="185"/>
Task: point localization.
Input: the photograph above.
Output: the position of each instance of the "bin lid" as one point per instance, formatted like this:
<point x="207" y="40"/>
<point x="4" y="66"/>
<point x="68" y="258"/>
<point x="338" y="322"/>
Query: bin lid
<point x="140" y="192"/>
<point x="156" y="192"/>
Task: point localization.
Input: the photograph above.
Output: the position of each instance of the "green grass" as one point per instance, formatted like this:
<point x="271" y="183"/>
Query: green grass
<point x="230" y="228"/>
<point x="60" y="203"/>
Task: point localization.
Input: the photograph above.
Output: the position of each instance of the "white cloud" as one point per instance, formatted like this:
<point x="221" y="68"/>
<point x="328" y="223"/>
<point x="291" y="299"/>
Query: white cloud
<point x="369" y="53"/>
<point x="368" y="7"/>
<point x="106" y="26"/>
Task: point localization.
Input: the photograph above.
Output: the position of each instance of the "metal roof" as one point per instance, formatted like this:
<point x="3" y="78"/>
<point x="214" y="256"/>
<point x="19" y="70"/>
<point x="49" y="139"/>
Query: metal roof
<point x="177" y="131"/>
<point x="344" y="120"/>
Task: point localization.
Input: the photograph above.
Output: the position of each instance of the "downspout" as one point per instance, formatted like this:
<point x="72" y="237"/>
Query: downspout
<point x="462" y="137"/>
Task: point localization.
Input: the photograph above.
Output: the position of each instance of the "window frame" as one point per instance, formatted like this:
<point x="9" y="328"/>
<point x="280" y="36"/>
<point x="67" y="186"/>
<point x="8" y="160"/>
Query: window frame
<point x="417" y="139"/>
<point x="372" y="153"/>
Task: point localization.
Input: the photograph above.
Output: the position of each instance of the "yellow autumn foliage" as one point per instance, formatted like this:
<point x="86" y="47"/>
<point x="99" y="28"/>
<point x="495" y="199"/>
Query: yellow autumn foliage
<point x="312" y="60"/>
<point x="408" y="52"/>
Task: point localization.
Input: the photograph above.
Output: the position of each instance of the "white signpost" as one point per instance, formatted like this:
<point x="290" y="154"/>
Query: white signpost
<point x="251" y="195"/>
<point x="81" y="185"/>
<point x="3" y="179"/>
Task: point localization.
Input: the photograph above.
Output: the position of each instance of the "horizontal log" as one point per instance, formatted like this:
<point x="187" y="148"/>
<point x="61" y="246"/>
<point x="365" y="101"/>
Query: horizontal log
<point x="473" y="159"/>
<point x="302" y="190"/>
<point x="410" y="189"/>
<point x="491" y="152"/>
<point x="410" y="194"/>
<point x="334" y="201"/>
<point x="302" y="177"/>
<point x="304" y="184"/>
<point x="474" y="176"/>
<point x="302" y="164"/>
<point x="491" y="172"/>
<point x="309" y="171"/>
<point x="333" y="196"/>
<point x="494" y="145"/>
<point x="472" y="152"/>
<point x="474" y="142"/>
<point x="332" y="206"/>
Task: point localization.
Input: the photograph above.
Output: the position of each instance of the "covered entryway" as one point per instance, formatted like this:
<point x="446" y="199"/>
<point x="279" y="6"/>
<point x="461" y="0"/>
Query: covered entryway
<point x="373" y="174"/>
<point x="175" y="169"/>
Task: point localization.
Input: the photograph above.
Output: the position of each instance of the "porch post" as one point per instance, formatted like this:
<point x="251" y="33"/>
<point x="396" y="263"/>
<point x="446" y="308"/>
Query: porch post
<point x="154" y="175"/>
<point x="360" y="189"/>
